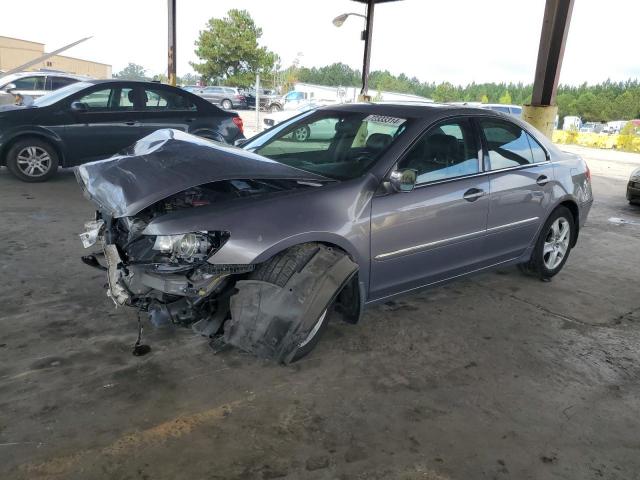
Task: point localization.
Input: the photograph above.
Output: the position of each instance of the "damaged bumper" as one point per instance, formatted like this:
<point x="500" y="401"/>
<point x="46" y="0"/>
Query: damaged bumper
<point x="267" y="320"/>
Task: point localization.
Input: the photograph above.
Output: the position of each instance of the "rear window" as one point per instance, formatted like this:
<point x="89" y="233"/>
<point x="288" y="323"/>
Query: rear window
<point x="509" y="145"/>
<point x="54" y="83"/>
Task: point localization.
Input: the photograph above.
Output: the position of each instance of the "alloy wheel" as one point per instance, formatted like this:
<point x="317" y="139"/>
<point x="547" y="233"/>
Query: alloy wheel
<point x="301" y="134"/>
<point x="34" y="161"/>
<point x="556" y="243"/>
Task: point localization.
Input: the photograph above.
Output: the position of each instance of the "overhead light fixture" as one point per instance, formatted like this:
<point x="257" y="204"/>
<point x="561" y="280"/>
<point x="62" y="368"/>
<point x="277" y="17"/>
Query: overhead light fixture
<point x="340" y="19"/>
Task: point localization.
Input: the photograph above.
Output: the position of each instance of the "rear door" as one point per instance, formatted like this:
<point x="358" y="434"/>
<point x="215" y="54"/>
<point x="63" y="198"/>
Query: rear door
<point x="436" y="231"/>
<point x="168" y="108"/>
<point x="521" y="182"/>
<point x="109" y="123"/>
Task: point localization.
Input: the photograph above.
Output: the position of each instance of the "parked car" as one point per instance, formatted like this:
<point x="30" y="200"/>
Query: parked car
<point x="269" y="100"/>
<point x="633" y="187"/>
<point x="227" y="97"/>
<point x="192" y="88"/>
<point x="94" y="119"/>
<point x="260" y="245"/>
<point x="34" y="84"/>
<point x="594" y="127"/>
<point x="615" y="126"/>
<point x="292" y="100"/>
<point x="571" y="122"/>
<point x="275" y="118"/>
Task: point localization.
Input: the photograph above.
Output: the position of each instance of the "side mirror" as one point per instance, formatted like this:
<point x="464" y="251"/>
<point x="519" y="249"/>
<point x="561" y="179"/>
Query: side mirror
<point x="403" y="180"/>
<point x="9" y="86"/>
<point x="240" y="142"/>
<point x="78" y="107"/>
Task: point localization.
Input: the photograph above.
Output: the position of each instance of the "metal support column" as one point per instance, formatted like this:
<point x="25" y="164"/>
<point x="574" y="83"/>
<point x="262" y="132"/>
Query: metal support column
<point x="555" y="28"/>
<point x="367" y="35"/>
<point x="171" y="67"/>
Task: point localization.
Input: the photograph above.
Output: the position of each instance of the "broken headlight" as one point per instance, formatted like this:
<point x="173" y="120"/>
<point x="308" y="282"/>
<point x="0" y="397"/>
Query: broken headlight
<point x="187" y="246"/>
<point x="91" y="234"/>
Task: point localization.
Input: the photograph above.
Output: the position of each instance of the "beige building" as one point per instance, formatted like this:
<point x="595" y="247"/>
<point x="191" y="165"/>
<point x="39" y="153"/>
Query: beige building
<point x="15" y="52"/>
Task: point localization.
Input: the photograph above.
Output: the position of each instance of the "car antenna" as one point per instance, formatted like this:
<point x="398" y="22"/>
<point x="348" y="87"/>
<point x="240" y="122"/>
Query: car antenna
<point x="139" y="349"/>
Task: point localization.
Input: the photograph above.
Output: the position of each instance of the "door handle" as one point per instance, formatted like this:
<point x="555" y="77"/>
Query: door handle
<point x="473" y="194"/>
<point x="189" y="120"/>
<point x="542" y="180"/>
<point x="131" y="122"/>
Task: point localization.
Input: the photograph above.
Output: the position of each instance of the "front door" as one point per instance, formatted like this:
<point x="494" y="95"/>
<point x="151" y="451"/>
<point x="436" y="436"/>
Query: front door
<point x="436" y="231"/>
<point x="108" y="124"/>
<point x="521" y="182"/>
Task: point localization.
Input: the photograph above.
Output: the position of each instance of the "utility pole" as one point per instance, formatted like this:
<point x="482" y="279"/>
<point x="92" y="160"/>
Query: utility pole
<point x="171" y="68"/>
<point x="257" y="103"/>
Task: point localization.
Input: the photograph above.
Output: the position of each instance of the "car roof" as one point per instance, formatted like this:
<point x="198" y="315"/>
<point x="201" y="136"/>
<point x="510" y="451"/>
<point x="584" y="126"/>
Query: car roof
<point x="43" y="74"/>
<point x="124" y="80"/>
<point x="413" y="109"/>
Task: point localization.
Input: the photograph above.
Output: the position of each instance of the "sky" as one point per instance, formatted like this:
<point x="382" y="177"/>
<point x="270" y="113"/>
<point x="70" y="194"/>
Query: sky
<point x="459" y="41"/>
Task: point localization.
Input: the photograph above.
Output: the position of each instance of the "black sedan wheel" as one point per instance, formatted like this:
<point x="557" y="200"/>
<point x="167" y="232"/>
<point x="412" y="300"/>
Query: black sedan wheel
<point x="32" y="160"/>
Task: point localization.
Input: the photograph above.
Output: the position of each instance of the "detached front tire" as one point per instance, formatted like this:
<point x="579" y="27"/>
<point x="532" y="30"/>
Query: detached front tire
<point x="553" y="245"/>
<point x="32" y="160"/>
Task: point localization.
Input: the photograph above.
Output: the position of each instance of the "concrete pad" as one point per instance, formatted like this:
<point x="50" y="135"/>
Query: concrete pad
<point x="495" y="376"/>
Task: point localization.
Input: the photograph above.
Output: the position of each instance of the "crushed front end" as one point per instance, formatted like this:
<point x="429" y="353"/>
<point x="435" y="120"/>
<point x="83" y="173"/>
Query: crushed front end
<point x="179" y="227"/>
<point x="169" y="276"/>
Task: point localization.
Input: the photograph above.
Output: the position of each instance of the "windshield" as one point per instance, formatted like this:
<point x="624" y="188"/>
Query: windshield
<point x="336" y="144"/>
<point x="53" y="97"/>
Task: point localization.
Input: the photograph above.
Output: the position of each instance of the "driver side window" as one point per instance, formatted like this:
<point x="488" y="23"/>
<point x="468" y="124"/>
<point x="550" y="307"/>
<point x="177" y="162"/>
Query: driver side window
<point x="99" y="100"/>
<point x="446" y="151"/>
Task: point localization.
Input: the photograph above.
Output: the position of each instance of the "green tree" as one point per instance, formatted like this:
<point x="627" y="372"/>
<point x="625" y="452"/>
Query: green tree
<point x="484" y="98"/>
<point x="229" y="50"/>
<point x="132" y="71"/>
<point x="188" y="79"/>
<point x="445" y="92"/>
<point x="505" y="98"/>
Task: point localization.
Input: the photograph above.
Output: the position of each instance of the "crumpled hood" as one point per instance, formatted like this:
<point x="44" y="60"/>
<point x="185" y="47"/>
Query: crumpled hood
<point x="167" y="162"/>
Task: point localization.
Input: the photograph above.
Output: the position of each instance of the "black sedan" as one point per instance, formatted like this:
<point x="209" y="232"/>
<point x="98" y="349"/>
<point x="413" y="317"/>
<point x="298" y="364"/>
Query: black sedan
<point x="95" y="119"/>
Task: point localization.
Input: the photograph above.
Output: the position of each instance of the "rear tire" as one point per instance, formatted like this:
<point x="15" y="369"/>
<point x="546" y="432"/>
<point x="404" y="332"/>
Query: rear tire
<point x="227" y="104"/>
<point x="278" y="270"/>
<point x="553" y="245"/>
<point x="275" y="108"/>
<point x="32" y="160"/>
